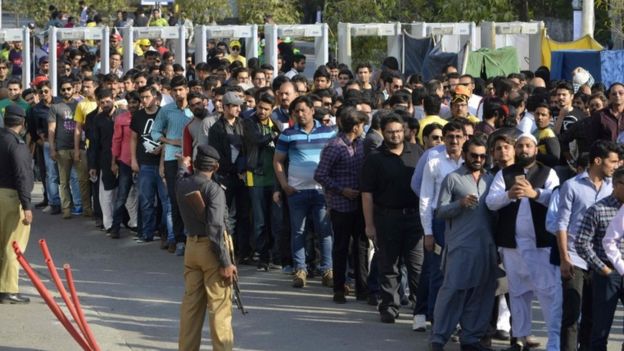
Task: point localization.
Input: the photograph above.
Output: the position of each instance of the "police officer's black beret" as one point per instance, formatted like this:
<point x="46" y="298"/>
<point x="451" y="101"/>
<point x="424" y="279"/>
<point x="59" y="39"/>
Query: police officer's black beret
<point x="14" y="114"/>
<point x="207" y="151"/>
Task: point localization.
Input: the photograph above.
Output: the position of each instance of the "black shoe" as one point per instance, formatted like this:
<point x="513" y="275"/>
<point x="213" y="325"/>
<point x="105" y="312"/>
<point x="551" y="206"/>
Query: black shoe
<point x="143" y="239"/>
<point x="501" y="335"/>
<point x="339" y="297"/>
<point x="474" y="347"/>
<point x="387" y="316"/>
<point x="55" y="210"/>
<point x="134" y="229"/>
<point x="13" y="299"/>
<point x="361" y="297"/>
<point x="434" y="346"/>
<point x="373" y="300"/>
<point x="42" y="204"/>
<point x="262" y="267"/>
<point x="115" y="235"/>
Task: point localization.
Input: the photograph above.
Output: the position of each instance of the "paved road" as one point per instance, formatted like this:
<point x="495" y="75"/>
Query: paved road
<point x="131" y="295"/>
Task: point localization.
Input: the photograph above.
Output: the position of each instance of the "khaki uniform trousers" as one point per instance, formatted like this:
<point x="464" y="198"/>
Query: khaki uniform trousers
<point x="11" y="229"/>
<point x="204" y="289"/>
<point x="65" y="161"/>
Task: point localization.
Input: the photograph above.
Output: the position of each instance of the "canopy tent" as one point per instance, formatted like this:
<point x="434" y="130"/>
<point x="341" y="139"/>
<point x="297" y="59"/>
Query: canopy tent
<point x="487" y="63"/>
<point x="605" y="66"/>
<point x="549" y="45"/>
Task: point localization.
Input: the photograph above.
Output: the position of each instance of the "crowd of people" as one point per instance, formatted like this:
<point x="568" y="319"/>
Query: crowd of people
<point x="459" y="197"/>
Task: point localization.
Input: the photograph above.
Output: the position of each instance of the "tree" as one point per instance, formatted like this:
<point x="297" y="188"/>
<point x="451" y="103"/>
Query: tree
<point x="205" y="11"/>
<point x="283" y="11"/>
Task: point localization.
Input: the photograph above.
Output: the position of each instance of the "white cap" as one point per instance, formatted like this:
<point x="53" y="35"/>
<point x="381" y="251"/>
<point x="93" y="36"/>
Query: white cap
<point x="528" y="136"/>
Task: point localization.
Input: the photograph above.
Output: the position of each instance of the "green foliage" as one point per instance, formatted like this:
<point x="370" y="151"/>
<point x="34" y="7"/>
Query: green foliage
<point x="204" y="11"/>
<point x="38" y="9"/>
<point x="283" y="11"/>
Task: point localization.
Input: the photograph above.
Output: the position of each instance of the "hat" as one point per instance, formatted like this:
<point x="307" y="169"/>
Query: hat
<point x="44" y="59"/>
<point x="528" y="136"/>
<point x="145" y="42"/>
<point x="581" y="76"/>
<point x="14" y="114"/>
<point x="231" y="98"/>
<point x="205" y="151"/>
<point x="38" y="80"/>
<point x="117" y="36"/>
<point x="234" y="43"/>
<point x="461" y="93"/>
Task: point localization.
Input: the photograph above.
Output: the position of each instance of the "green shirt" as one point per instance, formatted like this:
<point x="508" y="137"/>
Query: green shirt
<point x="6" y="102"/>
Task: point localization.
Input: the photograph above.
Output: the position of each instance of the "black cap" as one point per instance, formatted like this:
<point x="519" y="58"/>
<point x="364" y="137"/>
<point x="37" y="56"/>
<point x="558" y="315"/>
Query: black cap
<point x="14" y="114"/>
<point x="207" y="151"/>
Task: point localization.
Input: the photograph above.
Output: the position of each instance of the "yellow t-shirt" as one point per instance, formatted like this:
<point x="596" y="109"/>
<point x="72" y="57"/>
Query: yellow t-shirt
<point x="83" y="108"/>
<point x="240" y="58"/>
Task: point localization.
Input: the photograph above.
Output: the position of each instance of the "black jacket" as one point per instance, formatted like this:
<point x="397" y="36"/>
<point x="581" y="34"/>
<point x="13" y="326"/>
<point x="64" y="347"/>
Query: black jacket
<point x="218" y="138"/>
<point x="256" y="142"/>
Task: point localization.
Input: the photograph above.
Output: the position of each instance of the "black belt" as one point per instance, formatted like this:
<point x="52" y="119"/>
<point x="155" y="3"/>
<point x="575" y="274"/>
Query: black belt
<point x="396" y="211"/>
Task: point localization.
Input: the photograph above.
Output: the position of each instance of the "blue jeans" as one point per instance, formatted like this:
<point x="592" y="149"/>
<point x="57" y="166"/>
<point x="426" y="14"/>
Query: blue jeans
<point x="123" y="189"/>
<point x="150" y="185"/>
<point x="301" y="204"/>
<point x="52" y="177"/>
<point x="267" y="222"/>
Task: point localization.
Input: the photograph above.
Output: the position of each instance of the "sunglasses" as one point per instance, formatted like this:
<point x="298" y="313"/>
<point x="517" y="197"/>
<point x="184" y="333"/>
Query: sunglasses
<point x="478" y="156"/>
<point x="67" y="89"/>
<point x="235" y="49"/>
<point x="45" y="91"/>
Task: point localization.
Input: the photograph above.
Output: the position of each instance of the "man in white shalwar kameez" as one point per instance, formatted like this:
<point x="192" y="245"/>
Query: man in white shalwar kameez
<point x="520" y="193"/>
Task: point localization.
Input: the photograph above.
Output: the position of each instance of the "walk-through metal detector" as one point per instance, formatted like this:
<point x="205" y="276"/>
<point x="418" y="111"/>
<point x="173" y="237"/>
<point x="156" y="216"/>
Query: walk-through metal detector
<point x="453" y="35"/>
<point x="86" y="33"/>
<point x="204" y="33"/>
<point x="22" y="35"/>
<point x="498" y="34"/>
<point x="319" y="31"/>
<point x="348" y="30"/>
<point x="130" y="34"/>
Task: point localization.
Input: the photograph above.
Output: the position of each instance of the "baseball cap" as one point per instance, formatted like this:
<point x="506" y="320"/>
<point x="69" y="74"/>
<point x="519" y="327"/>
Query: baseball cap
<point x="234" y="43"/>
<point x="231" y="98"/>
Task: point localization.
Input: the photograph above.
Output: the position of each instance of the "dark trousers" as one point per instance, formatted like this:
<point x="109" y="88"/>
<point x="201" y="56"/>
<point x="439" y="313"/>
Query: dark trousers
<point x="267" y="223"/>
<point x="123" y="189"/>
<point x="171" y="176"/>
<point x="422" y="294"/>
<point x="238" y="225"/>
<point x="577" y="297"/>
<point x="607" y="290"/>
<point x="41" y="167"/>
<point x="347" y="226"/>
<point x="398" y="236"/>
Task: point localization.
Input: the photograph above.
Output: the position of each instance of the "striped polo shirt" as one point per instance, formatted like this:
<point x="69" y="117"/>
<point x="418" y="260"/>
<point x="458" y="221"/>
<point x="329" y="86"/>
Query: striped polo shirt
<point x="304" y="153"/>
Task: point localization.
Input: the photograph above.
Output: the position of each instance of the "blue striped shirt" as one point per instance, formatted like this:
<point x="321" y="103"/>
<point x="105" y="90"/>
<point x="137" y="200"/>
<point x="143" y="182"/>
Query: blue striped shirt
<point x="304" y="153"/>
<point x="170" y="122"/>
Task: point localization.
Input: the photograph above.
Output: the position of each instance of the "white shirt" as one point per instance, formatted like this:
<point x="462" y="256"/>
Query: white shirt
<point x="473" y="105"/>
<point x="293" y="72"/>
<point x="436" y="169"/>
<point x="527" y="123"/>
<point x="612" y="240"/>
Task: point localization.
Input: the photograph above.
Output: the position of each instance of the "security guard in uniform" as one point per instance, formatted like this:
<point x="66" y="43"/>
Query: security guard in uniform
<point x="208" y="268"/>
<point x="16" y="184"/>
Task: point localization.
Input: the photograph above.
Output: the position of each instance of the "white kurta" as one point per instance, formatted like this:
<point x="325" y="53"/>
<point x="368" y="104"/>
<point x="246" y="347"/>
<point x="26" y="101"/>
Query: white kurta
<point x="528" y="267"/>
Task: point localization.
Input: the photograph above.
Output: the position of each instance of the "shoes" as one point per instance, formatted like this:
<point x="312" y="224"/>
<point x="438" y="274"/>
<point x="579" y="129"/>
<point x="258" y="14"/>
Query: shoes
<point x="288" y="270"/>
<point x="420" y="323"/>
<point x="436" y="347"/>
<point x="42" y="204"/>
<point x="531" y="342"/>
<point x="164" y="244"/>
<point x="517" y="347"/>
<point x="262" y="267"/>
<point x="47" y="209"/>
<point x="55" y="209"/>
<point x="328" y="278"/>
<point x="275" y="267"/>
<point x="387" y="316"/>
<point x="143" y="239"/>
<point x="299" y="281"/>
<point x="373" y="300"/>
<point x="134" y="229"/>
<point x="339" y="297"/>
<point x="13" y="299"/>
<point x="76" y="211"/>
<point x="502" y="335"/>
<point x="67" y="213"/>
<point x="474" y="347"/>
<point x="171" y="248"/>
<point x="179" y="250"/>
<point x="98" y="223"/>
<point x="456" y="334"/>
<point x="115" y="234"/>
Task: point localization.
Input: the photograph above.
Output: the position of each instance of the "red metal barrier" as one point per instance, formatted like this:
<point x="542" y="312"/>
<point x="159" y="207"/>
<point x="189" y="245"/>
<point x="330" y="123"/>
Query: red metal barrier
<point x="81" y="318"/>
<point x="49" y="300"/>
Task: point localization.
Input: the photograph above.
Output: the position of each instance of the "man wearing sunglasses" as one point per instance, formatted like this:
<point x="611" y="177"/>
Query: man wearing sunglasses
<point x="470" y="263"/>
<point x="235" y="53"/>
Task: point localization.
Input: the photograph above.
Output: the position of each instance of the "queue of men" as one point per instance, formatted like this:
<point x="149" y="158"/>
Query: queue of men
<point x="460" y="199"/>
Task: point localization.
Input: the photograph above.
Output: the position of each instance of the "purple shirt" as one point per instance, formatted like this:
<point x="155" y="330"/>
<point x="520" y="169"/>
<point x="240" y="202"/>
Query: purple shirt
<point x="339" y="168"/>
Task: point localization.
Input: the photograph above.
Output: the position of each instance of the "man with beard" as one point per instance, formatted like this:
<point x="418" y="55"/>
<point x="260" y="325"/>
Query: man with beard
<point x="467" y="291"/>
<point x="145" y="155"/>
<point x="196" y="132"/>
<point x="521" y="193"/>
<point x="391" y="212"/>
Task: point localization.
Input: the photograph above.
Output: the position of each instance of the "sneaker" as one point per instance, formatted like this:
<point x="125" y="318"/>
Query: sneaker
<point x="42" y="204"/>
<point x="171" y="248"/>
<point x="300" y="279"/>
<point x="387" y="316"/>
<point x="47" y="209"/>
<point x="275" y="267"/>
<point x="143" y="239"/>
<point x="328" y="278"/>
<point x="288" y="270"/>
<point x="420" y="323"/>
<point x="115" y="235"/>
<point x="262" y="267"/>
<point x="76" y="211"/>
<point x="164" y="244"/>
<point x="67" y="214"/>
<point x="179" y="249"/>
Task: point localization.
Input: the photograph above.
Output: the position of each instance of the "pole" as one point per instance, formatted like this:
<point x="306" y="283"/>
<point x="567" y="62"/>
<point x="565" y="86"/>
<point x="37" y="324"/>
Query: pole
<point x="588" y="18"/>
